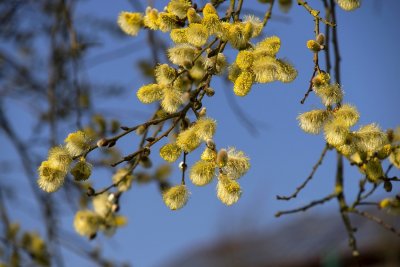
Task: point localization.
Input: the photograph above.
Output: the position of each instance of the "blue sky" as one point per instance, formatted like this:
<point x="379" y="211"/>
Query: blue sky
<point x="281" y="154"/>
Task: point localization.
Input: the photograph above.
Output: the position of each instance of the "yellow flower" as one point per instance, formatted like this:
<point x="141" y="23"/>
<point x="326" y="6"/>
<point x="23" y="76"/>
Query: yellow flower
<point x="179" y="7"/>
<point x="348" y="114"/>
<point x="197" y="34"/>
<point x="167" y="21"/>
<point x="205" y="128"/>
<point x="243" y="83"/>
<point x="50" y="178"/>
<point x="209" y="155"/>
<point x="336" y="132"/>
<point x="237" y="165"/>
<point x="87" y="223"/>
<point x="268" y="47"/>
<point x="312" y="121"/>
<point x="202" y="172"/>
<point x="228" y="191"/>
<point x="179" y="35"/>
<point x="130" y="22"/>
<point x="329" y="94"/>
<point x="164" y="74"/>
<point x="181" y="53"/>
<point x="370" y="138"/>
<point x="170" y="152"/>
<point x="82" y="170"/>
<point x="59" y="158"/>
<point x="151" y="20"/>
<point x="176" y="197"/>
<point x="149" y="93"/>
<point x="188" y="140"/>
<point x="172" y="99"/>
<point x="77" y="143"/>
<point x="244" y="59"/>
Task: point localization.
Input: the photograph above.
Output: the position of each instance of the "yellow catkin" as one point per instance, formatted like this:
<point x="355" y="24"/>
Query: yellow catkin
<point x="176" y="197"/>
<point x="243" y="83"/>
<point x="237" y="165"/>
<point x="268" y="47"/>
<point x="209" y="155"/>
<point x="170" y="152"/>
<point x="167" y="21"/>
<point x="164" y="74"/>
<point x="370" y="138"/>
<point x="212" y="24"/>
<point x="321" y="79"/>
<point x="265" y="69"/>
<point x="312" y="121"/>
<point x="314" y="46"/>
<point x="209" y="9"/>
<point x="373" y="170"/>
<point x="330" y="94"/>
<point x="237" y="36"/>
<point x="197" y="72"/>
<point x="149" y="93"/>
<point x="286" y="73"/>
<point x="172" y="99"/>
<point x="228" y="191"/>
<point x="151" y="20"/>
<point x="86" y="223"/>
<point x="178" y="7"/>
<point x="102" y="205"/>
<point x="348" y="114"/>
<point x="188" y="140"/>
<point x="192" y="16"/>
<point x="255" y="23"/>
<point x="205" y="128"/>
<point x="77" y="143"/>
<point x="82" y="170"/>
<point x="202" y="172"/>
<point x="181" y="53"/>
<point x="130" y="22"/>
<point x="179" y="35"/>
<point x="50" y="179"/>
<point x="124" y="178"/>
<point x="348" y="5"/>
<point x="336" y="132"/>
<point x="244" y="59"/>
<point x="59" y="158"/>
<point x="197" y="34"/>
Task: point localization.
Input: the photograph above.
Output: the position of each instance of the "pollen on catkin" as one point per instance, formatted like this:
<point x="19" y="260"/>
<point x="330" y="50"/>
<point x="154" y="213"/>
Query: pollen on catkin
<point x="373" y="170"/>
<point x="172" y="99"/>
<point x="209" y="154"/>
<point x="87" y="223"/>
<point x="179" y="7"/>
<point x="170" y="152"/>
<point x="181" y="53"/>
<point x="348" y="5"/>
<point x="197" y="34"/>
<point x="192" y="16"/>
<point x="321" y="79"/>
<point x="286" y="73"/>
<point x="164" y="74"/>
<point x="336" y="132"/>
<point x="176" y="197"/>
<point x="77" y="143"/>
<point x="268" y="47"/>
<point x="124" y="178"/>
<point x="370" y="138"/>
<point x="237" y="165"/>
<point x="59" y="158"/>
<point x="130" y="22"/>
<point x="149" y="93"/>
<point x="150" y="20"/>
<point x="330" y="94"/>
<point x="314" y="46"/>
<point x="255" y="23"/>
<point x="265" y="69"/>
<point x="348" y="114"/>
<point x="228" y="191"/>
<point x="82" y="170"/>
<point x="243" y="83"/>
<point x="50" y="178"/>
<point x="188" y="140"/>
<point x="205" y="128"/>
<point x="179" y="36"/>
<point x="312" y="121"/>
<point x="167" y="21"/>
<point x="244" y="59"/>
<point x="202" y="172"/>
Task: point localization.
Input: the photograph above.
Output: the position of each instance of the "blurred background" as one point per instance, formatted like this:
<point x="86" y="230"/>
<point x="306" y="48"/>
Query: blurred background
<point x="49" y="88"/>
